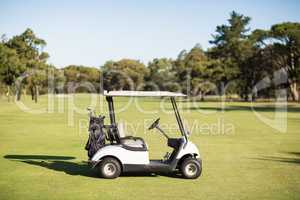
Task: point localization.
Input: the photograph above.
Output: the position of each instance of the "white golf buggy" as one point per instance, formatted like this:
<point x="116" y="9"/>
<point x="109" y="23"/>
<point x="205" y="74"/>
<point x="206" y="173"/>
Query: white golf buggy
<point x="130" y="154"/>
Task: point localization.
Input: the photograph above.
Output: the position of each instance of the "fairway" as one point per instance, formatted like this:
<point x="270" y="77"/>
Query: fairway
<point x="42" y="156"/>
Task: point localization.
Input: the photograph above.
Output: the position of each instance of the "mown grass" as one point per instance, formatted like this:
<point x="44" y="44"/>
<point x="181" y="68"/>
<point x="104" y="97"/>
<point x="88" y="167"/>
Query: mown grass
<point x="42" y="155"/>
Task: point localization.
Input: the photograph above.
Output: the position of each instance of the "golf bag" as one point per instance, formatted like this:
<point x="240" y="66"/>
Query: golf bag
<point x="96" y="138"/>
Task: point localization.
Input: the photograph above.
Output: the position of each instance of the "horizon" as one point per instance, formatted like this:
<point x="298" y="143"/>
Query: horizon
<point x="92" y="33"/>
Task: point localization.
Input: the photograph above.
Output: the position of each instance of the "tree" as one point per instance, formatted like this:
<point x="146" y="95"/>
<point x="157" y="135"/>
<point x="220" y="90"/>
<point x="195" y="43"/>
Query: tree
<point x="286" y="52"/>
<point x="125" y="74"/>
<point x="233" y="49"/>
<point x="280" y="47"/>
<point x="161" y="75"/>
<point x="77" y="74"/>
<point x="10" y="67"/>
<point x="192" y="71"/>
<point x="29" y="49"/>
<point x="36" y="78"/>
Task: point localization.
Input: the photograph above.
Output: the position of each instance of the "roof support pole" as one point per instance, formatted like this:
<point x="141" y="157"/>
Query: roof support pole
<point x="111" y="110"/>
<point x="178" y="118"/>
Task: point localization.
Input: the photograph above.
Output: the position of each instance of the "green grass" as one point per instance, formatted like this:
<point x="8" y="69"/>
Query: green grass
<point x="41" y="157"/>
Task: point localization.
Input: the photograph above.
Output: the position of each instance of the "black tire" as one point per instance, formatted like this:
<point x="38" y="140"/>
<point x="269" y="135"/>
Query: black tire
<point x="110" y="168"/>
<point x="191" y="168"/>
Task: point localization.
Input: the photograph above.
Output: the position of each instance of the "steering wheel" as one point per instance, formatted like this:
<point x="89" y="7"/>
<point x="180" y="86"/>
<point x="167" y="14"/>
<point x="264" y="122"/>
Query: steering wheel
<point x="154" y="124"/>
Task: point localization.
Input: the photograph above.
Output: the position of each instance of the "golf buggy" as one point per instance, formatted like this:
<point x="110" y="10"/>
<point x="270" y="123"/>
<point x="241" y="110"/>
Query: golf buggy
<point x="113" y="153"/>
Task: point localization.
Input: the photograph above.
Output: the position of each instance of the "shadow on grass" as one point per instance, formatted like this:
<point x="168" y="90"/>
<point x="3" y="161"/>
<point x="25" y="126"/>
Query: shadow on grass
<point x="39" y="157"/>
<point x="294" y="153"/>
<point x="245" y="108"/>
<point x="282" y="159"/>
<point x="58" y="163"/>
<point x="71" y="168"/>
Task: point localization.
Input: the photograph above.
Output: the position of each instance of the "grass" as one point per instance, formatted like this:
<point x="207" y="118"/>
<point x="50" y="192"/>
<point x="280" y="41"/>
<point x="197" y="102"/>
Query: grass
<point x="42" y="155"/>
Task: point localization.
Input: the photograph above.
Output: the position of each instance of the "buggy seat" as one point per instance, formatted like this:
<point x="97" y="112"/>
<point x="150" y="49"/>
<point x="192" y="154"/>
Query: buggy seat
<point x="133" y="143"/>
<point x="130" y="142"/>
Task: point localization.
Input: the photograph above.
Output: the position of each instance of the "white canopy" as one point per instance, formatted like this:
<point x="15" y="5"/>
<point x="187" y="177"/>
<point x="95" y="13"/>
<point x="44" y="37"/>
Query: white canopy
<point x="127" y="93"/>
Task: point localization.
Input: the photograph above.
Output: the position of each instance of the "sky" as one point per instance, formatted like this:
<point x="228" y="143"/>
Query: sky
<point x="93" y="32"/>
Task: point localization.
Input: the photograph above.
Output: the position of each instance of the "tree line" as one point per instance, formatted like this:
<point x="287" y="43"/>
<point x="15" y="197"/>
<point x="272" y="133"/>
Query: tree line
<point x="240" y="62"/>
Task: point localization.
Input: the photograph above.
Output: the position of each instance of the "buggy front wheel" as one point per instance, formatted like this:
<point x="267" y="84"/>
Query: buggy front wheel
<point x="191" y="168"/>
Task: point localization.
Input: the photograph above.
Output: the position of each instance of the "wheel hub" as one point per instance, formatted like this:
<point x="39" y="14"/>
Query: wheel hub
<point x="191" y="169"/>
<point x="109" y="169"/>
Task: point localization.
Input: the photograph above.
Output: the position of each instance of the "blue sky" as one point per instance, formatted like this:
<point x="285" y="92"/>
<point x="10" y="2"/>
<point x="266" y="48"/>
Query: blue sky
<point x="92" y="32"/>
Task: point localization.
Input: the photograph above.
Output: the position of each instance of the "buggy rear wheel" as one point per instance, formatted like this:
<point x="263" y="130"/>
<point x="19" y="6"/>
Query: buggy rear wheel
<point x="109" y="168"/>
<point x="191" y="168"/>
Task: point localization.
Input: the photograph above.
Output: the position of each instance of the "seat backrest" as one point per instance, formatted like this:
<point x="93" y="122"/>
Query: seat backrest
<point x="121" y="129"/>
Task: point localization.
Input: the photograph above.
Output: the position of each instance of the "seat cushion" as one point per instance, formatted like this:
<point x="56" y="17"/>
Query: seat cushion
<point x="133" y="143"/>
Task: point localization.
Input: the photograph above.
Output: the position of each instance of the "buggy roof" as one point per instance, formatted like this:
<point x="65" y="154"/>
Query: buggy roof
<point x="127" y="93"/>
